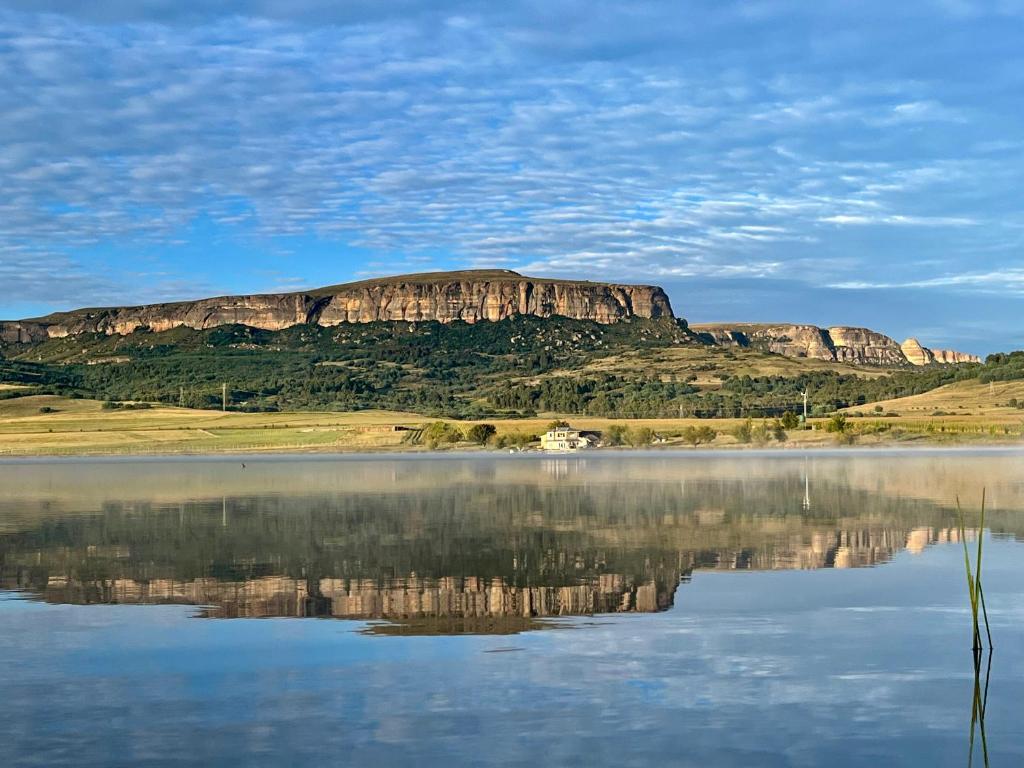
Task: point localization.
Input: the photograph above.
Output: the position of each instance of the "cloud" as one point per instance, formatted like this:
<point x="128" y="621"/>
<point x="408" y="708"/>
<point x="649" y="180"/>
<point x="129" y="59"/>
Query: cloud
<point x="30" y="278"/>
<point x="1005" y="281"/>
<point x="898" y="220"/>
<point x="646" y="141"/>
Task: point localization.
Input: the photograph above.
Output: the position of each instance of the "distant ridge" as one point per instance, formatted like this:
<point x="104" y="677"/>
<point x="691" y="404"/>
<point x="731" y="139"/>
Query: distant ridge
<point x="844" y="344"/>
<point x="469" y="296"/>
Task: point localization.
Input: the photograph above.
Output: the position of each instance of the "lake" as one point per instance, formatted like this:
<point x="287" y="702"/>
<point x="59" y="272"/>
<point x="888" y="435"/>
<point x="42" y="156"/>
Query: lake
<point x="620" y="609"/>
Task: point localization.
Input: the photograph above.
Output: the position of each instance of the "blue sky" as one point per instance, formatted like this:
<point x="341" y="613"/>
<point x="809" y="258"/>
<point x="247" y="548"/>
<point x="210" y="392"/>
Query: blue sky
<point x="827" y="162"/>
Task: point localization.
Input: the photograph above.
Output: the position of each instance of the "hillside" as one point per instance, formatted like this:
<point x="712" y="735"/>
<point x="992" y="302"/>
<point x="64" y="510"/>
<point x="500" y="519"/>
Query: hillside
<point x="636" y="368"/>
<point x="496" y="344"/>
<point x="995" y="400"/>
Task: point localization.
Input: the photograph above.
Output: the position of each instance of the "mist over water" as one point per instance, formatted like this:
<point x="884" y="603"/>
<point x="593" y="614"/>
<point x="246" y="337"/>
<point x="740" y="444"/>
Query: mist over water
<point x="629" y="608"/>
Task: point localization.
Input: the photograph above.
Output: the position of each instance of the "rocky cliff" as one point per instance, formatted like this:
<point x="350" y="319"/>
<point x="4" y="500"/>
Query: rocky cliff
<point x="920" y="355"/>
<point x="844" y="344"/>
<point x="470" y="296"/>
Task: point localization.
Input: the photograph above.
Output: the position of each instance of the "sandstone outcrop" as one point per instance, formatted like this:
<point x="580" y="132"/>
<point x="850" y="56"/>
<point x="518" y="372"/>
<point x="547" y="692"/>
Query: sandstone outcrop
<point x="470" y="296"/>
<point x="916" y="353"/>
<point x="920" y="355"/>
<point x="844" y="344"/>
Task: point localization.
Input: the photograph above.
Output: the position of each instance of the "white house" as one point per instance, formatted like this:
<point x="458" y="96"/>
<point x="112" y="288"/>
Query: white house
<point x="564" y="439"/>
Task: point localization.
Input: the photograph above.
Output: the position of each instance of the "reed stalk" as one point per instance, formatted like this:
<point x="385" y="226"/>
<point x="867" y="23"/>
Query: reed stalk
<point x="972" y="572"/>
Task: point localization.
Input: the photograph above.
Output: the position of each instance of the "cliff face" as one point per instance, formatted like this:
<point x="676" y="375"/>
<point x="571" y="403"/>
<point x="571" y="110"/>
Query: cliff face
<point x="919" y="355"/>
<point x="22" y="332"/>
<point x="915" y="353"/>
<point x="470" y="296"/>
<point x="844" y="344"/>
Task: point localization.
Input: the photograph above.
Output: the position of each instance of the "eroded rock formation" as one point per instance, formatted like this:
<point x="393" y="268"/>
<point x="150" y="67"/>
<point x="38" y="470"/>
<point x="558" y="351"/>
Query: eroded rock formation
<point x="470" y="296"/>
<point x="844" y="344"/>
<point x="921" y="355"/>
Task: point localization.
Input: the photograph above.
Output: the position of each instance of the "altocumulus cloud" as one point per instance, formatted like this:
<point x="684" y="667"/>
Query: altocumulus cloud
<point x="839" y="144"/>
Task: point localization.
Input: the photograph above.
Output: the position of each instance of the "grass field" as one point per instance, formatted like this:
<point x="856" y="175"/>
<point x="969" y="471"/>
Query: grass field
<point x="84" y="427"/>
<point x="966" y="399"/>
<point x="710" y="365"/>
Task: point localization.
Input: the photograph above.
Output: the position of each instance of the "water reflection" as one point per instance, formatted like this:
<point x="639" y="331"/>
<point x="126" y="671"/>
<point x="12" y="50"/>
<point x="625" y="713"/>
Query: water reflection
<point x="460" y="545"/>
<point x="980" y="701"/>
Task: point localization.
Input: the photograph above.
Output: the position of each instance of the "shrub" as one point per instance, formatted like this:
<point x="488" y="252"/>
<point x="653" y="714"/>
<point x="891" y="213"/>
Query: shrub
<point x="615" y="435"/>
<point x="778" y="431"/>
<point x="47" y="409"/>
<point x="836" y="424"/>
<point x="441" y="433"/>
<point x="790" y="420"/>
<point x="480" y="433"/>
<point x="514" y="439"/>
<point x="113" y="405"/>
<point x="761" y="433"/>
<point x="744" y="432"/>
<point x="697" y="435"/>
<point x="640" y="436"/>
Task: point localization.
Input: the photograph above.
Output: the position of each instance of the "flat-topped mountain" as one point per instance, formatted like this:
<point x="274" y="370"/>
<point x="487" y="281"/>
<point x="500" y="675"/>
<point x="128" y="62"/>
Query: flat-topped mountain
<point x="841" y="344"/>
<point x="470" y="296"/>
<point x="473" y="296"/>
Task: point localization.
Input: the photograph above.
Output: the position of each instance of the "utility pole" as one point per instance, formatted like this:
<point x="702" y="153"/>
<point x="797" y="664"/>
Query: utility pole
<point x="224" y="396"/>
<point x="181" y="397"/>
<point x="805" y="406"/>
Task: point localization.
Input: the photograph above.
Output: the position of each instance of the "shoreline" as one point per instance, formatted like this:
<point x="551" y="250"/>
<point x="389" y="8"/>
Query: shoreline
<point x="674" y="451"/>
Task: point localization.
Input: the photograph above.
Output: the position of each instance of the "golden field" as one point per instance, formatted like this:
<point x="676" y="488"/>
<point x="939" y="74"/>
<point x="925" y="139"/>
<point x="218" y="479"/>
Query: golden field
<point x="84" y="427"/>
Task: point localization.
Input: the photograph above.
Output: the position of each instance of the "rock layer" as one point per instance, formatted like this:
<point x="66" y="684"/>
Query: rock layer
<point x="859" y="346"/>
<point x="469" y="296"/>
<point x="921" y="355"/>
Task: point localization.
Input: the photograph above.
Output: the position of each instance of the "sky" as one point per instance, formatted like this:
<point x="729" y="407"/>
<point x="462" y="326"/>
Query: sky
<point x="825" y="162"/>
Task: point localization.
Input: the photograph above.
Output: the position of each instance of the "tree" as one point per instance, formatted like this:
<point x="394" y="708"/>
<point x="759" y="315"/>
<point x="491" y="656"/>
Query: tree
<point x="557" y="424"/>
<point x="697" y="435"/>
<point x="778" y="431"/>
<point x="837" y="423"/>
<point x="744" y="432"/>
<point x="790" y="420"/>
<point x="441" y="433"/>
<point x="761" y="434"/>
<point x="480" y="433"/>
<point x="615" y="435"/>
<point x="640" y="436"/>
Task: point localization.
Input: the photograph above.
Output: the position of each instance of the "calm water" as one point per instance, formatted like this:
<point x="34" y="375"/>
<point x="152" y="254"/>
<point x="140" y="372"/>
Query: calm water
<point x="705" y="610"/>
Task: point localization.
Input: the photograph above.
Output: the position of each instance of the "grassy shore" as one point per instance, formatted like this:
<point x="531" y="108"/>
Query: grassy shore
<point x="46" y="425"/>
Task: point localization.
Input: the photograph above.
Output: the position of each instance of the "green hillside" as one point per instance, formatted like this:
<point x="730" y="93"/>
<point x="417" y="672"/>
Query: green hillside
<point x="516" y="367"/>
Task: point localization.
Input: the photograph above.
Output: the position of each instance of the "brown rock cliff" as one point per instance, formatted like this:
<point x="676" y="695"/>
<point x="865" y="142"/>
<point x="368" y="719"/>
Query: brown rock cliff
<point x="859" y="346"/>
<point x="470" y="296"/>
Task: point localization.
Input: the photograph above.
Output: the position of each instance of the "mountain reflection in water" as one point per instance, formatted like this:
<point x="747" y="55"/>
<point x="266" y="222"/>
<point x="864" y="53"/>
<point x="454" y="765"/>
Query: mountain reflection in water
<point x="460" y="545"/>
